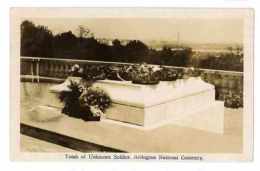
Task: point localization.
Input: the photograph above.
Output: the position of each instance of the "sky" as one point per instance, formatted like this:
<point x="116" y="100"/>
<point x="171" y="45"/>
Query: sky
<point x="191" y="30"/>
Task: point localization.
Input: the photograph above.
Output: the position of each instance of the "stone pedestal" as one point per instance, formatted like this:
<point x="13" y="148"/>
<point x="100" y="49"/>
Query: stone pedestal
<point x="188" y="102"/>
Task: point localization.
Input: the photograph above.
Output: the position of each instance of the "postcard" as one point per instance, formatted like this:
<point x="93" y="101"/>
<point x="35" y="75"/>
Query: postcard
<point x="131" y="84"/>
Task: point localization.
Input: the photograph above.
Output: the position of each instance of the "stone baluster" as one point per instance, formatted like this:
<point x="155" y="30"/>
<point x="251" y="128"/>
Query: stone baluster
<point x="224" y="83"/>
<point x="64" y="74"/>
<point x="204" y="76"/>
<point x="42" y="68"/>
<point x="25" y="67"/>
<point x="231" y="81"/>
<point x="240" y="83"/>
<point x="217" y="79"/>
<point x="61" y="70"/>
<point x="52" y="73"/>
<point x="56" y="70"/>
<point x="66" y="70"/>
<point x="32" y="70"/>
<point x="47" y="68"/>
<point x="85" y="68"/>
<point x="37" y="69"/>
<point x="51" y="70"/>
<point x="210" y="78"/>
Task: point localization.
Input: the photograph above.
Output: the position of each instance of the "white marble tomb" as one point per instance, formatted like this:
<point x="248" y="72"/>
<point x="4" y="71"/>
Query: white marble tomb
<point x="185" y="102"/>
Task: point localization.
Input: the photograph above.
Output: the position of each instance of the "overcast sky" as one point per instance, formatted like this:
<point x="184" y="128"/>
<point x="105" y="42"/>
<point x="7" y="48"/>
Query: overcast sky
<point x="190" y="30"/>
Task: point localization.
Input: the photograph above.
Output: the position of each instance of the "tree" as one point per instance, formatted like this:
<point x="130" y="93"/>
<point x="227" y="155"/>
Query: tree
<point x="84" y="32"/>
<point x="65" y="44"/>
<point x="36" y="40"/>
<point x="136" y="51"/>
<point x="39" y="41"/>
<point x="116" y="43"/>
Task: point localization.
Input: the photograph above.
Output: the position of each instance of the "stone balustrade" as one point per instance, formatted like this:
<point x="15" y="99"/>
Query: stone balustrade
<point x="225" y="82"/>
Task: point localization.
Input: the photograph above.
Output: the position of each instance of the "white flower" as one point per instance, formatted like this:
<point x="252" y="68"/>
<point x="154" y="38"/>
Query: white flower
<point x="75" y="68"/>
<point x="96" y="111"/>
<point x="156" y="68"/>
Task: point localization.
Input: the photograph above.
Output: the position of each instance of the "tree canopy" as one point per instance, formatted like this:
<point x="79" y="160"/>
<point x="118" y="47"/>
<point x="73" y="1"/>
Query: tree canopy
<point x="39" y="41"/>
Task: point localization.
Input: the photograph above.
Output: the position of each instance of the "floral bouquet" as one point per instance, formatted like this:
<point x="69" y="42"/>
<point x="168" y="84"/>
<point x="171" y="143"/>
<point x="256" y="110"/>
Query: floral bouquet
<point x="145" y="74"/>
<point x="85" y="102"/>
<point x="94" y="97"/>
<point x="193" y="72"/>
<point x="169" y="74"/>
<point x="233" y="100"/>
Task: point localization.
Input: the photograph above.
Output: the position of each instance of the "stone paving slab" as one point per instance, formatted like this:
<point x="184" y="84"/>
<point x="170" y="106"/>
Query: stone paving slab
<point x="166" y="139"/>
<point x="29" y="144"/>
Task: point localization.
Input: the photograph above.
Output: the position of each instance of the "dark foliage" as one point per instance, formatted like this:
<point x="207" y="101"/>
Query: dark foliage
<point x="38" y="41"/>
<point x="234" y="100"/>
<point x="226" y="61"/>
<point x="71" y="102"/>
<point x="78" y="102"/>
<point x="95" y="97"/>
<point x="168" y="74"/>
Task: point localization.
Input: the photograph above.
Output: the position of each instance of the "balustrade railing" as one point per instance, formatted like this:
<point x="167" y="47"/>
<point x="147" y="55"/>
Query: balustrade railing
<point x="225" y="82"/>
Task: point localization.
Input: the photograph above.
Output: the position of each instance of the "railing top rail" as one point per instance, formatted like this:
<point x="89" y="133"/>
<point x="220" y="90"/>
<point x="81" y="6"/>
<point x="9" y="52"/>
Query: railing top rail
<point x="121" y="63"/>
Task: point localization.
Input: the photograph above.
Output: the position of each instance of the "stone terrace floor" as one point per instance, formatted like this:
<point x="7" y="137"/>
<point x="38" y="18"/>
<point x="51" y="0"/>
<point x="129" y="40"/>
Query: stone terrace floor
<point x="29" y="144"/>
<point x="169" y="138"/>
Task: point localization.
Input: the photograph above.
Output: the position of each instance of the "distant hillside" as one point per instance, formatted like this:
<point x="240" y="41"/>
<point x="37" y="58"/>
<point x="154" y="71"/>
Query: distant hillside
<point x="209" y="46"/>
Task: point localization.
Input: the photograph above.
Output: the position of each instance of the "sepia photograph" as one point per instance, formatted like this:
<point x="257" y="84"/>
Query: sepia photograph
<point x="171" y="84"/>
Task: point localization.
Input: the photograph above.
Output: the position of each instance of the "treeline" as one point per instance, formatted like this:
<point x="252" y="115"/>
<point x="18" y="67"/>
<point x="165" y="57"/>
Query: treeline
<point x="227" y="61"/>
<point x="39" y="41"/>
